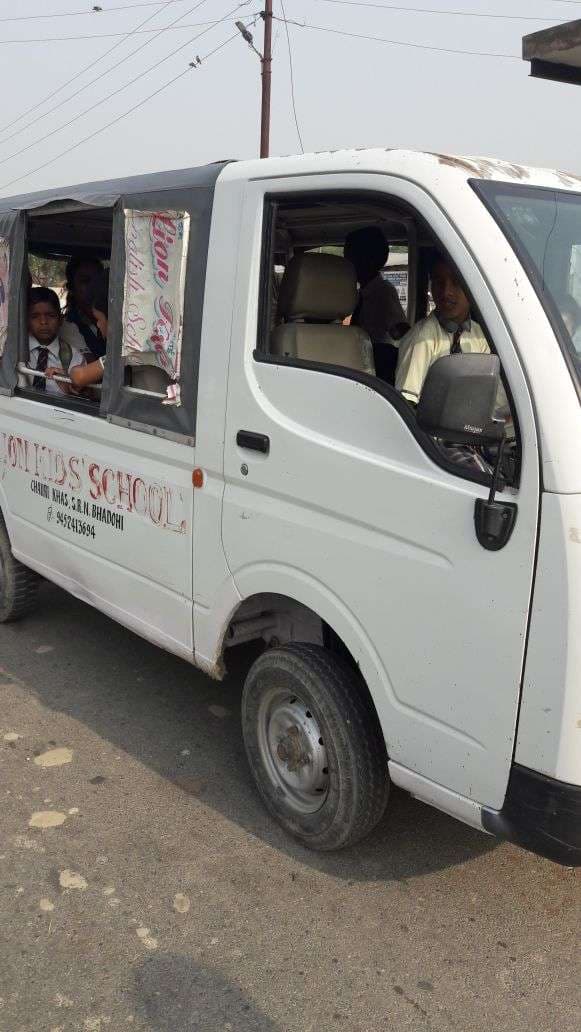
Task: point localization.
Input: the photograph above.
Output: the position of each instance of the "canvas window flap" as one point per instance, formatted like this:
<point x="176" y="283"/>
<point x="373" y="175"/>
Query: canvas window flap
<point x="156" y="300"/>
<point x="13" y="294"/>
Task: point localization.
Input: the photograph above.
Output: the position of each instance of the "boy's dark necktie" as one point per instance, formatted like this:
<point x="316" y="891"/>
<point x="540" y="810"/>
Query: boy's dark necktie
<point x="39" y="382"/>
<point x="456" y="347"/>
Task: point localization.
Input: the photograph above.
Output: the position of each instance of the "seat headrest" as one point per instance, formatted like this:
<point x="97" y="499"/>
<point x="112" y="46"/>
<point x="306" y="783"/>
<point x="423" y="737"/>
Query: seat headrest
<point x="318" y="286"/>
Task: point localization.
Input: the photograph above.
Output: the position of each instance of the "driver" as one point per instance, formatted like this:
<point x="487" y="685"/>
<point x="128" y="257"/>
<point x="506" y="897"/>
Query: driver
<point x="448" y="330"/>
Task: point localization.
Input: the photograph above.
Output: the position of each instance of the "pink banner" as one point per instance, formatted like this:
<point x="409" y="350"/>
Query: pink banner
<point x="156" y="247"/>
<point x="4" y="281"/>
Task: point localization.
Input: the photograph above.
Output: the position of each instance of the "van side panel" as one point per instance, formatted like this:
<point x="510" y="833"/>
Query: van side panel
<point x="103" y="510"/>
<point x="215" y="594"/>
<point x="549" y="728"/>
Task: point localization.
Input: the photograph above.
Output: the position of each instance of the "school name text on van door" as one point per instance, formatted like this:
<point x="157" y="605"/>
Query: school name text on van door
<point x="92" y="489"/>
<point x="76" y="505"/>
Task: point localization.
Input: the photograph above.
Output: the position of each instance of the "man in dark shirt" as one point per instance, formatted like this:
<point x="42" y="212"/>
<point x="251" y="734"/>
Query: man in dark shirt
<point x="379" y="311"/>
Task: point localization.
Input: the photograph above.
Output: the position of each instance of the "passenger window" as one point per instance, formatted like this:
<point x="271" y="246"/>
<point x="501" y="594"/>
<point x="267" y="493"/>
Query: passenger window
<point x="69" y="251"/>
<point x="156" y="248"/>
<point x="359" y="288"/>
<point x="144" y="342"/>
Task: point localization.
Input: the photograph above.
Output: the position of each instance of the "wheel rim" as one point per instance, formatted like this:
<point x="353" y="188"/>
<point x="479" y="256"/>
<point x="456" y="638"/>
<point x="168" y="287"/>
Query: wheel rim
<point x="292" y="750"/>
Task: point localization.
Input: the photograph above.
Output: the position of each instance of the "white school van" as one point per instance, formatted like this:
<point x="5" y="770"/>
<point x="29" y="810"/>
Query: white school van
<point x="244" y="474"/>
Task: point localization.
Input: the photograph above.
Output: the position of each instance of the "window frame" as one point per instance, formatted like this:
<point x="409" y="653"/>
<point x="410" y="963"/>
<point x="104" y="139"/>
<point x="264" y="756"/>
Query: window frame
<point x="486" y="191"/>
<point x="272" y="202"/>
<point x="65" y="401"/>
<point x="120" y="398"/>
<point x="121" y="403"/>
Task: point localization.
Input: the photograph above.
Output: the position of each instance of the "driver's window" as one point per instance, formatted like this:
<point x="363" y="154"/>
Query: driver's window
<point x="342" y="282"/>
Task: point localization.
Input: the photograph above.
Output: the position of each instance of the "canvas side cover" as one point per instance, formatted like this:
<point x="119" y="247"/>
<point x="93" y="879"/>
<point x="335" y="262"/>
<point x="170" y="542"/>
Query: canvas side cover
<point x="13" y="288"/>
<point x="158" y="272"/>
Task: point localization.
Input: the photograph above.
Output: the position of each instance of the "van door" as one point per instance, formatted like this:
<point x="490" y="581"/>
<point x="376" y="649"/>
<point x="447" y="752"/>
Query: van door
<point x="347" y="514"/>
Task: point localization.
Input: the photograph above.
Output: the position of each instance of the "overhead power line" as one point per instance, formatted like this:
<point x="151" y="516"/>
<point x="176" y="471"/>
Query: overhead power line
<point x="292" y="78"/>
<point x="97" y="132"/>
<point x="102" y="35"/>
<point x="92" y="11"/>
<point x="191" y="25"/>
<point x="44" y="100"/>
<point x="119" y="89"/>
<point x="91" y="82"/>
<point x="399" y="42"/>
<point x="98" y="10"/>
<point x="430" y="10"/>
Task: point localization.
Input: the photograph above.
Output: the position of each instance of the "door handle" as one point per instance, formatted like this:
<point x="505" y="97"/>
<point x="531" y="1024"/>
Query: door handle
<point x="253" y="441"/>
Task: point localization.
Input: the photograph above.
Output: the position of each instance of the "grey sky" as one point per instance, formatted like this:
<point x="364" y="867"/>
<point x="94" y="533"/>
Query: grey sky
<point x="349" y="92"/>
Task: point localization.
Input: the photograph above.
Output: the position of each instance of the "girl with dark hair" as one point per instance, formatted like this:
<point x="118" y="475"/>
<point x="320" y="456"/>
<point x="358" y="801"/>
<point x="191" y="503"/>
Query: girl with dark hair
<point x="97" y="299"/>
<point x="79" y="327"/>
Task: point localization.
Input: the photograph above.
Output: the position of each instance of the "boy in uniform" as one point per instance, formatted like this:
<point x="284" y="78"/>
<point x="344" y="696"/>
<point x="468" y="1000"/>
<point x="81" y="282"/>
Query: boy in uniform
<point x="47" y="351"/>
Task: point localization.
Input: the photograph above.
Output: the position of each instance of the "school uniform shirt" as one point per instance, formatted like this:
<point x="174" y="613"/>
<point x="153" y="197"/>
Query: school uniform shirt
<point x="36" y="350"/>
<point x="378" y="310"/>
<point x="426" y="342"/>
<point x="83" y="335"/>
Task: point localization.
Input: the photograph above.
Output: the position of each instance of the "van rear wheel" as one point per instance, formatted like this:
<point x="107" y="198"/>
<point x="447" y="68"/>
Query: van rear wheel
<point x="18" y="584"/>
<point x="315" y="746"/>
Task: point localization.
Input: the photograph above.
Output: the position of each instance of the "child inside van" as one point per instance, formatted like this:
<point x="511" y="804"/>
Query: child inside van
<point x="92" y="372"/>
<point x="48" y="352"/>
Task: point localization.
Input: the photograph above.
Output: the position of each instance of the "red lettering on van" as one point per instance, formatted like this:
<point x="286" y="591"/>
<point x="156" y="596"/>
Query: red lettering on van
<point x="94" y="470"/>
<point x="108" y="479"/>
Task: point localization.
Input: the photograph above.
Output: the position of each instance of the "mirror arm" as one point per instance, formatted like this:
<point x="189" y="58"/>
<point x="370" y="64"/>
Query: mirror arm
<point x="494" y="521"/>
<point x="496" y="483"/>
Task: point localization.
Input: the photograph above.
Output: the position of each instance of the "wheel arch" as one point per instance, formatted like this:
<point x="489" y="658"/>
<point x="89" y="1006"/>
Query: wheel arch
<point x="294" y="591"/>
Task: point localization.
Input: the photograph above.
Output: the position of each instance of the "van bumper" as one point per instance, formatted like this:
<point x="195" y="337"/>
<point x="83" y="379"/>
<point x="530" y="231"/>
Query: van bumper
<point x="540" y="814"/>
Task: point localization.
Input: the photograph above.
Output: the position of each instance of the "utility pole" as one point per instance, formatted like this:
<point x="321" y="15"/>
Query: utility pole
<point x="266" y="81"/>
<point x="266" y="72"/>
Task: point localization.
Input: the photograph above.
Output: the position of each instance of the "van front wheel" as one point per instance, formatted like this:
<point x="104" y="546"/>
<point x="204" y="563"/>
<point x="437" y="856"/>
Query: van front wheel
<point x="314" y="746"/>
<point x="18" y="584"/>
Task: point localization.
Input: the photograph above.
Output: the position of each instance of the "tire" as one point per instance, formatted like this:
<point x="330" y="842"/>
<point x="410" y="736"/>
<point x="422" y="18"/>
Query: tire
<point x="18" y="584"/>
<point x="315" y="746"/>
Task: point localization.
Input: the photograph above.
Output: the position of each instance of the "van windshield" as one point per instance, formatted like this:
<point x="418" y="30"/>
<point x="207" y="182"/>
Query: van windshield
<point x="544" y="227"/>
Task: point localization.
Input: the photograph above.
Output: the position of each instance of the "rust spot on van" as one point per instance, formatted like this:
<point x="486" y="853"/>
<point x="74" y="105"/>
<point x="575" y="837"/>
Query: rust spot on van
<point x="568" y="178"/>
<point x="487" y="168"/>
<point x="484" y="168"/>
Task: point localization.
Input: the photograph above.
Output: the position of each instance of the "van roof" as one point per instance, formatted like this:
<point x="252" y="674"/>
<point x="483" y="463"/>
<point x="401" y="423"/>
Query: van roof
<point x="422" y="166"/>
<point x="427" y="168"/>
<point x="105" y="193"/>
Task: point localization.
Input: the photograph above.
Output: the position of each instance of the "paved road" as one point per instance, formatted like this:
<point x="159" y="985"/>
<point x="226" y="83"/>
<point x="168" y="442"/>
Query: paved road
<point x="162" y="897"/>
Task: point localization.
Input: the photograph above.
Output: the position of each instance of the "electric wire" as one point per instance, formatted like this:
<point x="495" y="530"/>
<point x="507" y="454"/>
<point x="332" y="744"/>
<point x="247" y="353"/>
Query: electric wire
<point x="429" y="10"/>
<point x="100" y="35"/>
<point x="292" y="78"/>
<point x="77" y="75"/>
<point x="101" y="75"/>
<point x="119" y="89"/>
<point x="125" y="114"/>
<point x="400" y="43"/>
<point x="78" y="14"/>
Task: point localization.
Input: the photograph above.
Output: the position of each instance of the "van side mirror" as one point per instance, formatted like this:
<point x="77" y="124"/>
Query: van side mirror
<point x="457" y="404"/>
<point x="459" y="397"/>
